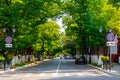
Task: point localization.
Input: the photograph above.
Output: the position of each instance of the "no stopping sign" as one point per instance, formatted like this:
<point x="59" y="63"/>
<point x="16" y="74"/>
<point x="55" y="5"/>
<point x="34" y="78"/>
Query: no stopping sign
<point x="110" y="36"/>
<point x="8" y="40"/>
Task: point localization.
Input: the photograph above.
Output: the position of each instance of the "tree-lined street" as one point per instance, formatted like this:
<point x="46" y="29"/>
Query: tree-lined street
<point x="58" y="70"/>
<point x="32" y="31"/>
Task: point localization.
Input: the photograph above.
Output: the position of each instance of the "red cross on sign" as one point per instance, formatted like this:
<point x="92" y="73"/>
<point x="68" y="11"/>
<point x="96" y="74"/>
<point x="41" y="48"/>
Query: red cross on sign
<point x="110" y="36"/>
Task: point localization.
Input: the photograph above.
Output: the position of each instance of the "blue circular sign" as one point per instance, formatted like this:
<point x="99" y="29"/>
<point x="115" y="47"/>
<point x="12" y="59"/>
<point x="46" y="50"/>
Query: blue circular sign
<point x="8" y="40"/>
<point x="110" y="36"/>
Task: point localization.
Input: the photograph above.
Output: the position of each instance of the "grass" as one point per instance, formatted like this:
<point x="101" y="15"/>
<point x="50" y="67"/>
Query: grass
<point x="95" y="64"/>
<point x="20" y="64"/>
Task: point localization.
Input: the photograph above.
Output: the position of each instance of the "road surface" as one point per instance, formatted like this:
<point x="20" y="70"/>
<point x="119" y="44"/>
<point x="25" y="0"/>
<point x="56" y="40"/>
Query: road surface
<point x="59" y="69"/>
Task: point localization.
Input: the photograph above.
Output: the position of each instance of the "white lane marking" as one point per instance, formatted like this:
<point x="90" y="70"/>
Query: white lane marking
<point x="58" y="66"/>
<point x="42" y="74"/>
<point x="15" y="75"/>
<point x="94" y="74"/>
<point x="80" y="74"/>
<point x="28" y="75"/>
<point x="54" y="74"/>
<point x="67" y="74"/>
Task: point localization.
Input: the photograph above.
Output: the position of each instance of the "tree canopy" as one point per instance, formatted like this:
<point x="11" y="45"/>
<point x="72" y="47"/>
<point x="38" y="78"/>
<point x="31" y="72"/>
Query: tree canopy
<point x="85" y="17"/>
<point x="37" y="30"/>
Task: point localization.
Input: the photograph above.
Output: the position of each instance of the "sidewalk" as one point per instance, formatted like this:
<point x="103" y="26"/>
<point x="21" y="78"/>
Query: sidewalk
<point x="116" y="69"/>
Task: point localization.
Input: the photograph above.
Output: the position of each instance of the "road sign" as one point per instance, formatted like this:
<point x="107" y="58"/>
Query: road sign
<point x="8" y="40"/>
<point x="8" y="45"/>
<point x="110" y="36"/>
<point x="110" y="43"/>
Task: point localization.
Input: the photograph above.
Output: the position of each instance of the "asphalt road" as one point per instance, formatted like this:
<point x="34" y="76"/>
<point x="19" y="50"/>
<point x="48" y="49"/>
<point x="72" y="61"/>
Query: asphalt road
<point x="59" y="70"/>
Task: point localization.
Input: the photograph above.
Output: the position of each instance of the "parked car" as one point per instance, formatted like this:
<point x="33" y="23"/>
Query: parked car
<point x="81" y="60"/>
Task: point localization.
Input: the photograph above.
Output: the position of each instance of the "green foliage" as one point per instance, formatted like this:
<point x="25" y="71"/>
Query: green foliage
<point x="115" y="3"/>
<point x="57" y="54"/>
<point x="2" y="58"/>
<point x="26" y="16"/>
<point x="105" y="59"/>
<point x="48" y="37"/>
<point x="83" y="18"/>
<point x="95" y="64"/>
<point x="20" y="64"/>
<point x="9" y="57"/>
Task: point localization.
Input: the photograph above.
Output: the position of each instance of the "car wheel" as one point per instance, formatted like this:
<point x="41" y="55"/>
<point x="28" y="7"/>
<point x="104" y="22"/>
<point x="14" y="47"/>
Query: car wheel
<point x="75" y="63"/>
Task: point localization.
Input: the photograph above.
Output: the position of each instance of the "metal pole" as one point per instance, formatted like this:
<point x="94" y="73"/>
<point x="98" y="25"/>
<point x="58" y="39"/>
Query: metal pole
<point x="89" y="55"/>
<point x="109" y="59"/>
<point x="5" y="64"/>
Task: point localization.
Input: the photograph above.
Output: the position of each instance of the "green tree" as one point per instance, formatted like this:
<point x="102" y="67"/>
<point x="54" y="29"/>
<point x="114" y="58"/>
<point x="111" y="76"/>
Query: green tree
<point x="115" y="3"/>
<point x="26" y="16"/>
<point x="84" y="18"/>
<point x="48" y="38"/>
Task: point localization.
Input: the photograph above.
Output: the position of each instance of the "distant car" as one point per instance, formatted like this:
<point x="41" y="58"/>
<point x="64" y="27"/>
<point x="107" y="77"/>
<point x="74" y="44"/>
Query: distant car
<point x="80" y="60"/>
<point x="68" y="57"/>
<point x="61" y="58"/>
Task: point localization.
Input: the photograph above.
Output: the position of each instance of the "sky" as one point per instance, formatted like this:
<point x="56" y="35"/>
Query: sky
<point x="59" y="22"/>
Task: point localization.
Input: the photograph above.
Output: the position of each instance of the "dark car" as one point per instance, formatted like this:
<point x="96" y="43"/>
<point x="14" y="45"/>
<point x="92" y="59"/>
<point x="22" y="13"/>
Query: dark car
<point x="81" y="60"/>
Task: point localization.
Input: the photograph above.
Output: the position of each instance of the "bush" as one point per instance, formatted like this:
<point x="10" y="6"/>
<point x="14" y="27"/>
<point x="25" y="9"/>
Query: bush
<point x="9" y="57"/>
<point x="2" y="58"/>
<point x="95" y="64"/>
<point x="20" y="64"/>
<point x="105" y="59"/>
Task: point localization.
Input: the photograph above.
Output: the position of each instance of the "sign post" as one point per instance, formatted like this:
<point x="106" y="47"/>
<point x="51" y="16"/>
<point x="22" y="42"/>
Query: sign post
<point x="110" y="38"/>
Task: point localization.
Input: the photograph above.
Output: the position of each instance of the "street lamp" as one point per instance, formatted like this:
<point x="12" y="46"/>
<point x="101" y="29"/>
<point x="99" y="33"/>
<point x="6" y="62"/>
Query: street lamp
<point x="110" y="30"/>
<point x="13" y="30"/>
<point x="100" y="30"/>
<point x="4" y="30"/>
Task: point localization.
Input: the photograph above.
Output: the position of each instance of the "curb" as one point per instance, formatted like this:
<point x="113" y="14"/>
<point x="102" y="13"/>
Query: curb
<point x="25" y="66"/>
<point x="106" y="71"/>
